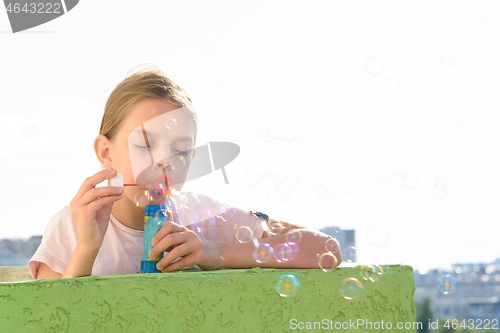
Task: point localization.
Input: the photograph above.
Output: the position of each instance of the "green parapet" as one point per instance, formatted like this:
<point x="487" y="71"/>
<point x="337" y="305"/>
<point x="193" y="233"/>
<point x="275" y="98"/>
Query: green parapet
<point x="236" y="300"/>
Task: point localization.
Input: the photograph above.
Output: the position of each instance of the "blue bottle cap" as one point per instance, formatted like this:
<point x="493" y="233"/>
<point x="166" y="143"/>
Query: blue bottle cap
<point x="149" y="266"/>
<point x="151" y="210"/>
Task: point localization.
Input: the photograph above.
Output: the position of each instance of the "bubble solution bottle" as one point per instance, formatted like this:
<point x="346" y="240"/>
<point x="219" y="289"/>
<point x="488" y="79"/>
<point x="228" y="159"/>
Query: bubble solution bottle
<point x="155" y="218"/>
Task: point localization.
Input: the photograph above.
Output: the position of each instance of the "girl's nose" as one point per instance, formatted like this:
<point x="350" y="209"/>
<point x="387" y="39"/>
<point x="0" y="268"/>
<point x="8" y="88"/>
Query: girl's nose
<point x="164" y="164"/>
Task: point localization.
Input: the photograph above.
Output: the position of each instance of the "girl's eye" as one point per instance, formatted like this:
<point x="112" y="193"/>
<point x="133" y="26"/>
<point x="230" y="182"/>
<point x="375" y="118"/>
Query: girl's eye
<point x="142" y="147"/>
<point x="185" y="153"/>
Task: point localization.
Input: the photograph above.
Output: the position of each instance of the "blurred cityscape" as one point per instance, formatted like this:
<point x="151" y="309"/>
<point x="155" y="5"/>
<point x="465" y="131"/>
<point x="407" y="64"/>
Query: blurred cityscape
<point x="471" y="291"/>
<point x="17" y="252"/>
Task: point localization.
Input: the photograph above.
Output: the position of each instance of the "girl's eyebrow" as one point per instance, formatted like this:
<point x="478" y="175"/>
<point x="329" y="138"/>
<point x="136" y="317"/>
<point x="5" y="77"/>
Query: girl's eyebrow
<point x="150" y="134"/>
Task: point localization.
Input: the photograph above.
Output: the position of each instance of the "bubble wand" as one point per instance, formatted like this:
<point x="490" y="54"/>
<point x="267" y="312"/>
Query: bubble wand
<point x="155" y="216"/>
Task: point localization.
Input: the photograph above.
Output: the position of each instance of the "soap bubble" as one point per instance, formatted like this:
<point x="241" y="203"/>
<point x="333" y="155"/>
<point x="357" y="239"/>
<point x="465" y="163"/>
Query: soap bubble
<point x="282" y="192"/>
<point x="439" y="194"/>
<point x="244" y="234"/>
<point x="447" y="284"/>
<point x="148" y="184"/>
<point x="287" y="285"/>
<point x="263" y="253"/>
<point x="349" y="254"/>
<point x="332" y="245"/>
<point x="178" y="161"/>
<point x="276" y="131"/>
<point x="348" y="187"/>
<point x="327" y="262"/>
<point x="260" y="193"/>
<point x="410" y="182"/>
<point x="331" y="231"/>
<point x="292" y="178"/>
<point x="350" y="288"/>
<point x="295" y="250"/>
<point x="446" y="61"/>
<point x="218" y="28"/>
<point x="166" y="209"/>
<point x="324" y="191"/>
<point x="264" y="135"/>
<point x="251" y="177"/>
<point x="381" y="270"/>
<point x="141" y="198"/>
<point x="266" y="151"/>
<point x="163" y="185"/>
<point x="294" y="236"/>
<point x="342" y="209"/>
<point x="389" y="214"/>
<point x="270" y="179"/>
<point x="374" y="66"/>
<point x="426" y="211"/>
<point x="290" y="135"/>
<point x="153" y="194"/>
<point x="392" y="84"/>
<point x="441" y="184"/>
<point x="282" y="252"/>
<point x="276" y="226"/>
<point x="476" y="11"/>
<point x="369" y="273"/>
<point x="204" y="220"/>
<point x="378" y="236"/>
<point x="171" y="123"/>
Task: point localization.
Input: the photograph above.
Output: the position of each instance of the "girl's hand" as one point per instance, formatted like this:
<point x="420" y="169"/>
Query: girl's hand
<point x="184" y="243"/>
<point x="91" y="208"/>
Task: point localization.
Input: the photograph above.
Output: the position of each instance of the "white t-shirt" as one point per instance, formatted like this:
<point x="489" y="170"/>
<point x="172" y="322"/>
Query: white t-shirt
<point x="122" y="248"/>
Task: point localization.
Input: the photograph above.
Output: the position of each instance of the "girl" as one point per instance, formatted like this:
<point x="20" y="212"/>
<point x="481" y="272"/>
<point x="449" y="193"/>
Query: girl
<point x="148" y="133"/>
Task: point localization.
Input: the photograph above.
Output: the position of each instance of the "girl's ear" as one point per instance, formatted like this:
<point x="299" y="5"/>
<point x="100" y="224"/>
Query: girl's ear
<point x="101" y="149"/>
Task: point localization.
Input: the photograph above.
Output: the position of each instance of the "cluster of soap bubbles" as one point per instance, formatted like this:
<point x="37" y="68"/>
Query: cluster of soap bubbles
<point x="447" y="284"/>
<point x="277" y="132"/>
<point x="328" y="261"/>
<point x="263" y="252"/>
<point x="266" y="184"/>
<point x="152" y="192"/>
<point x="374" y="67"/>
<point x="439" y="190"/>
<point x="326" y="191"/>
<point x="351" y="288"/>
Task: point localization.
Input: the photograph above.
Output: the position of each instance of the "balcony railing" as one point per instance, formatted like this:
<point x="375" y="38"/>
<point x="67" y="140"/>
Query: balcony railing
<point x="236" y="300"/>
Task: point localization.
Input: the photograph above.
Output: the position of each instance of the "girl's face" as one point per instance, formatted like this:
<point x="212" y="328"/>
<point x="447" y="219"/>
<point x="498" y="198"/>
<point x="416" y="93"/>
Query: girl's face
<point x="154" y="144"/>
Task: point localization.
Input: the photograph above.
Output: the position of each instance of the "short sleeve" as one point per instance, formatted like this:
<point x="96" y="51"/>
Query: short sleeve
<point x="214" y="220"/>
<point x="58" y="243"/>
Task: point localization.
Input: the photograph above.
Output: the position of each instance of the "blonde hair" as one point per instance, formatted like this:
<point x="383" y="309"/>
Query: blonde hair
<point x="146" y="83"/>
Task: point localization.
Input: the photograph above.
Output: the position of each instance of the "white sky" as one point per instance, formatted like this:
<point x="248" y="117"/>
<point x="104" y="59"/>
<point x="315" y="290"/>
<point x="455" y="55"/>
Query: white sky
<point x="432" y="112"/>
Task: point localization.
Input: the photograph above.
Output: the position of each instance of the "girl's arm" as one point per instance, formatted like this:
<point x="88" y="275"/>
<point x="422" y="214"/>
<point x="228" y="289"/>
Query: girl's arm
<point x="208" y="255"/>
<point x="80" y="264"/>
<point x="90" y="208"/>
<point x="311" y="246"/>
<point x="45" y="272"/>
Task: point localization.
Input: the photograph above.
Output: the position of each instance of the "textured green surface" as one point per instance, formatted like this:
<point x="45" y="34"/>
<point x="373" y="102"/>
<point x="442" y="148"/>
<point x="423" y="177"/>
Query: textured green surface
<point x="221" y="301"/>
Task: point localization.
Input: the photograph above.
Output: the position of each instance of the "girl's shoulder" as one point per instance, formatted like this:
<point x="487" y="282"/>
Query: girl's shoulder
<point x="63" y="219"/>
<point x="199" y="201"/>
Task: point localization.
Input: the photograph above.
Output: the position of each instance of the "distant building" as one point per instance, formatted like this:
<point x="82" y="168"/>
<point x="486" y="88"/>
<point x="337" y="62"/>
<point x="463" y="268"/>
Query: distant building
<point x="17" y="252"/>
<point x="476" y="295"/>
